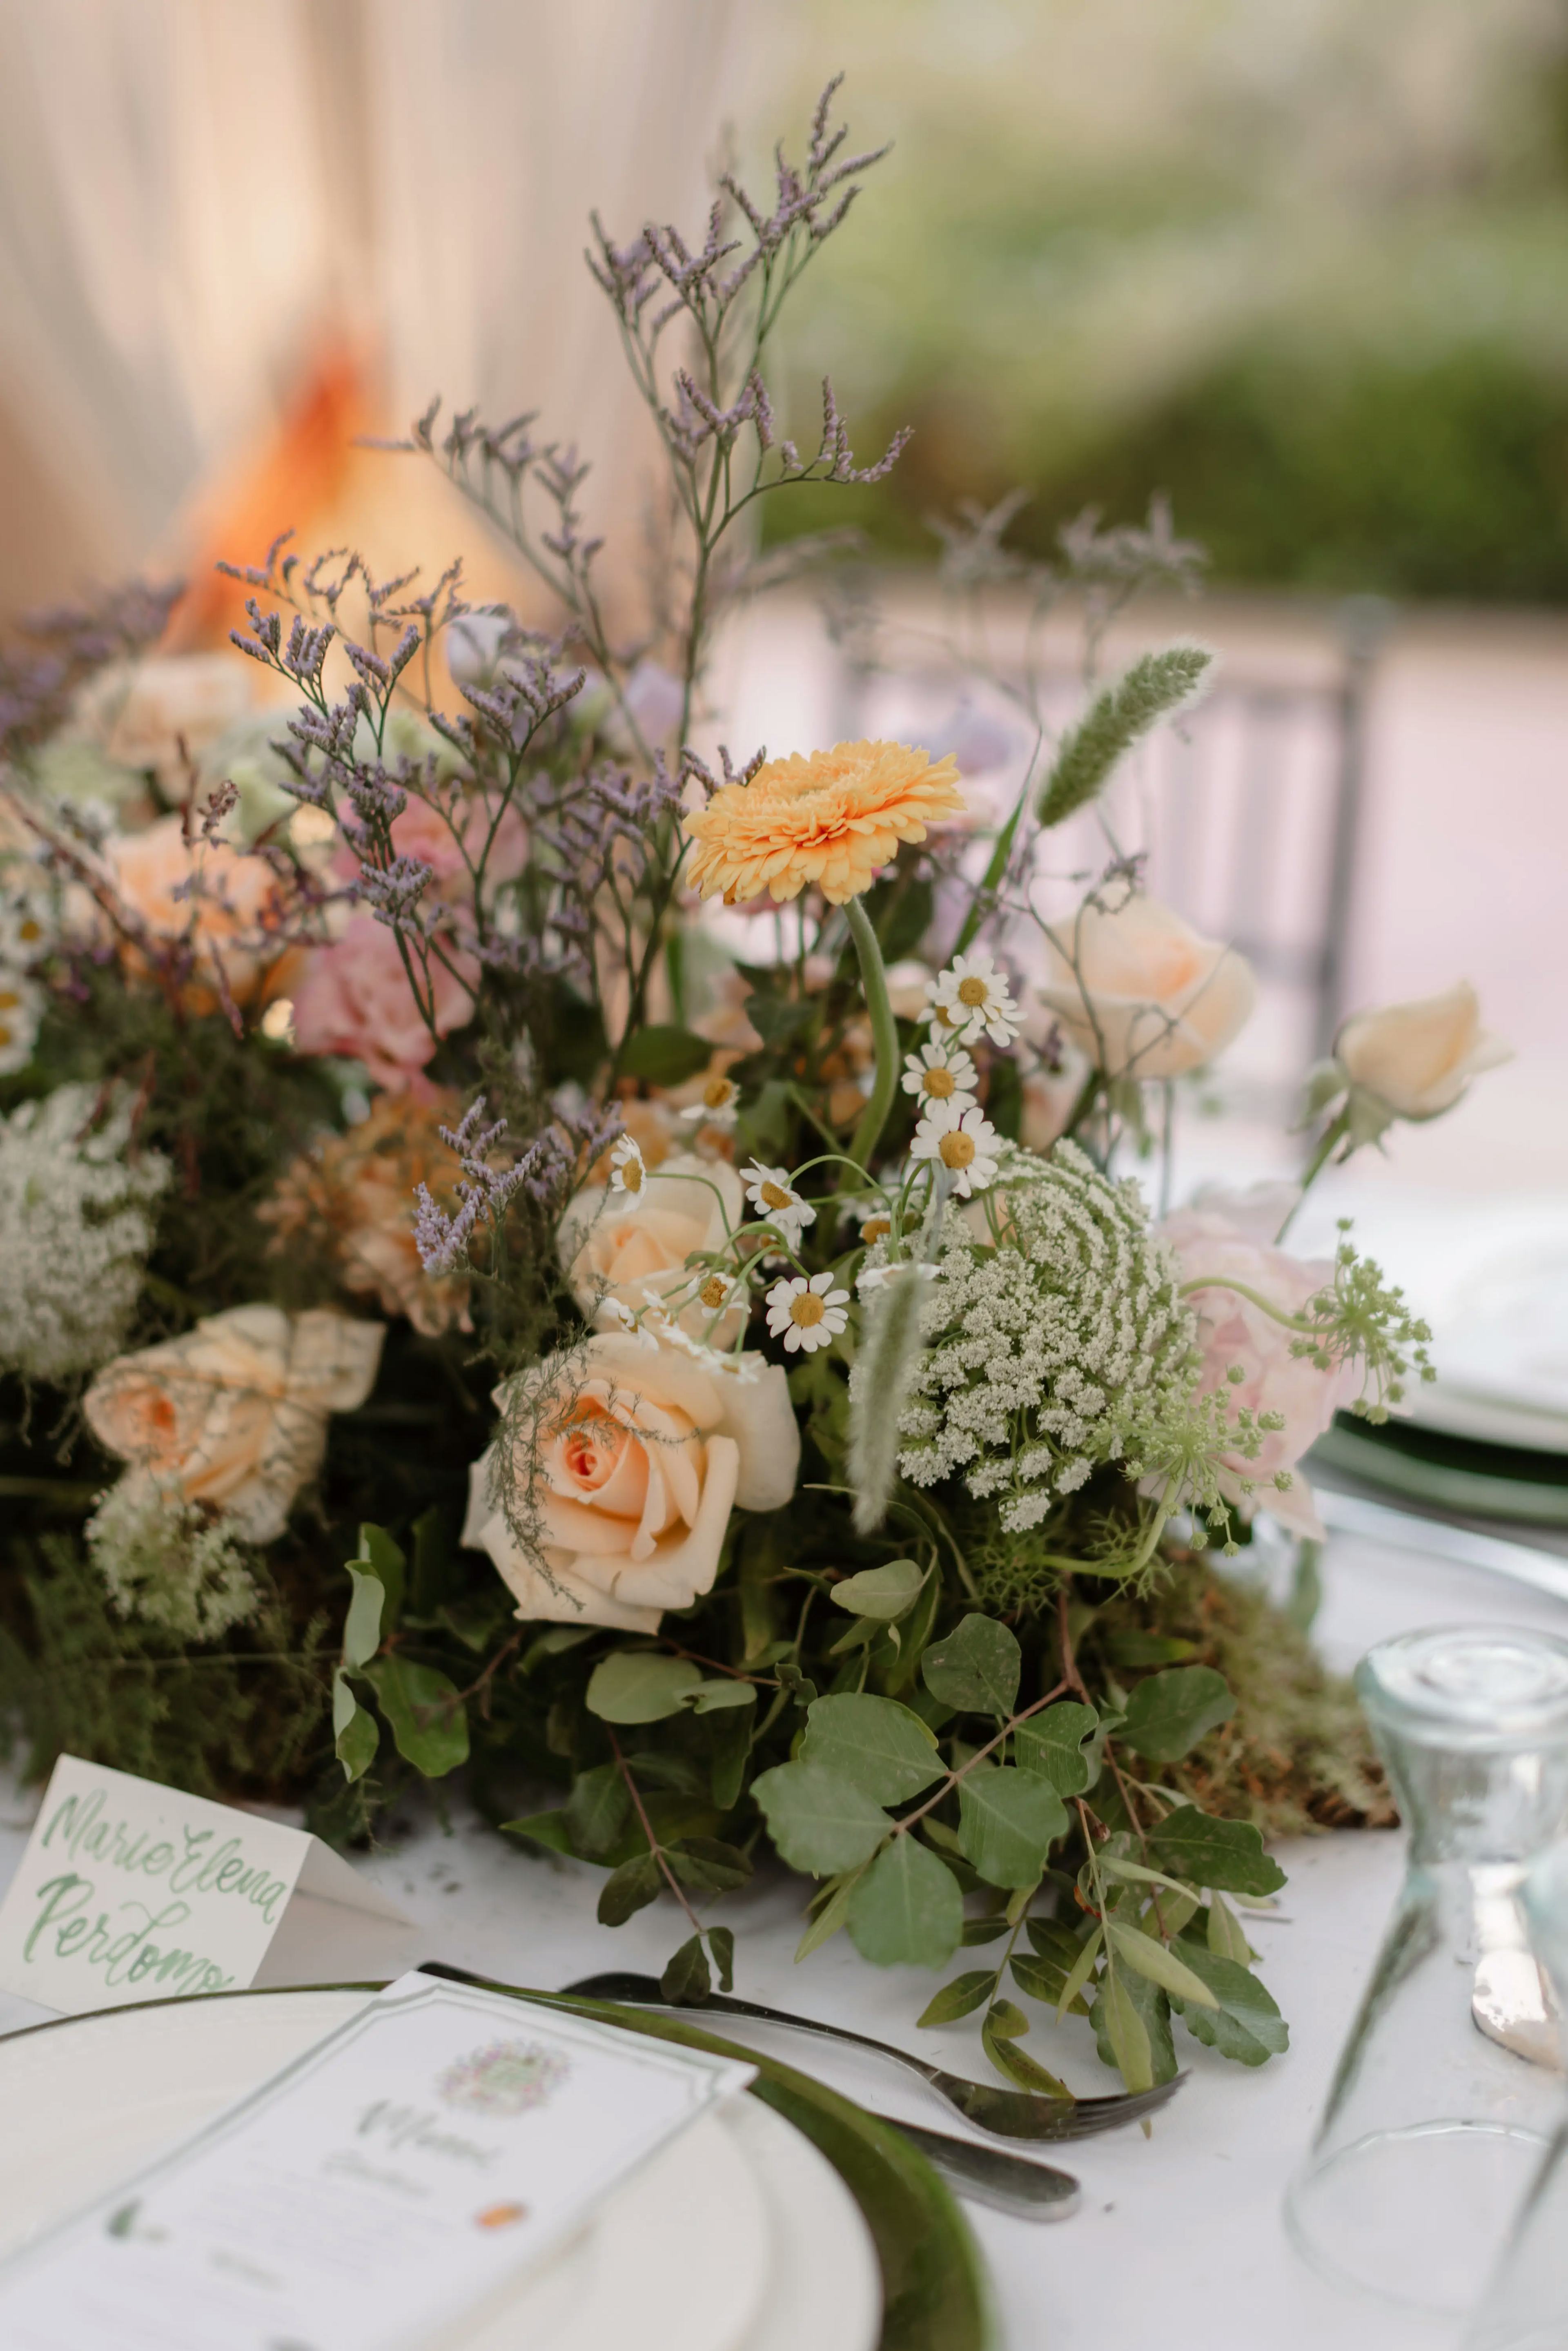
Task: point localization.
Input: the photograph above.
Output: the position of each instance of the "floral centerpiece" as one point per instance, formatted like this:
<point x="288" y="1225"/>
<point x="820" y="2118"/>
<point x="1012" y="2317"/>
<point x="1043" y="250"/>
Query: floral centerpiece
<point x="526" y="1248"/>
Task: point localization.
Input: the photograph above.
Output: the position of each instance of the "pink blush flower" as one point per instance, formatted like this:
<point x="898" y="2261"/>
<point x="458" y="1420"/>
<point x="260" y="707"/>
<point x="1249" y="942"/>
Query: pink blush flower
<point x="355" y="999"/>
<point x="1233" y="1332"/>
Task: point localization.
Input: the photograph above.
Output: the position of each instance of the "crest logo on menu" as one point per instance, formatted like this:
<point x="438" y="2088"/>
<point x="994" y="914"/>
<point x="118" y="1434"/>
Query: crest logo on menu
<point x="505" y="2078"/>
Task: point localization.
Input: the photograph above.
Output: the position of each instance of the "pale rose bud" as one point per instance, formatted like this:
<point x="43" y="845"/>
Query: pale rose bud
<point x="1417" y="1058"/>
<point x="1140" y="992"/>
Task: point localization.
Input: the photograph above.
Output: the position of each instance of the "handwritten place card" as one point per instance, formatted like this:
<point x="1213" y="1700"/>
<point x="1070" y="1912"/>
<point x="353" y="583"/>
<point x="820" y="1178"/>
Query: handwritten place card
<point x="384" y="2186"/>
<point x="129" y="1892"/>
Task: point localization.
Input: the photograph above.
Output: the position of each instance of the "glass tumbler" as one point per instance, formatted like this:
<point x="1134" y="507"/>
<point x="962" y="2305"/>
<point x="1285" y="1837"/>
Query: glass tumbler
<point x="1433" y="2131"/>
<point x="1525" y="2308"/>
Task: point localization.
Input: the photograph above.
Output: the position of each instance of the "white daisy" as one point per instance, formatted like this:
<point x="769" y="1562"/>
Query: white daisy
<point x="719" y="1291"/>
<point x="627" y="1171"/>
<point x="973" y="994"/>
<point x="808" y="1314"/>
<point x="632" y="1325"/>
<point x="718" y="1105"/>
<point x="773" y="1196"/>
<point x="964" y="1142"/>
<point x="941" y="1072"/>
<point x="21" y="1008"/>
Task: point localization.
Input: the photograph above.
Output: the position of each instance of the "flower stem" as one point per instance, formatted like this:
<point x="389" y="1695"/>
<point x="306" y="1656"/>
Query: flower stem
<point x="884" y="1035"/>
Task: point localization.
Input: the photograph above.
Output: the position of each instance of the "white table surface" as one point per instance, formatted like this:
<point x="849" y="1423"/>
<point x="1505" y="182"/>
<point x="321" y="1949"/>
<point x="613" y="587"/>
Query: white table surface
<point x="1178" y="2240"/>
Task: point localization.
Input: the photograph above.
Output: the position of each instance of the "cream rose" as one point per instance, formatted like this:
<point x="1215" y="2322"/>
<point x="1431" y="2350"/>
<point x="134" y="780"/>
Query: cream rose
<point x="1141" y="992"/>
<point x="234" y="1412"/>
<point x="1417" y="1058"/>
<point x="631" y="1468"/>
<point x="616" y="1247"/>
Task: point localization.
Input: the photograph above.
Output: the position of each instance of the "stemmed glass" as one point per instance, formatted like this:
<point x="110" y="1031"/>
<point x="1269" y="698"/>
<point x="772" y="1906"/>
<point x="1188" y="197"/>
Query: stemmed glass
<point x="1433" y="2130"/>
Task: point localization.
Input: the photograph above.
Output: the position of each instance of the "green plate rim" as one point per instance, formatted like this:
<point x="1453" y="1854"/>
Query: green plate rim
<point x="936" y="2292"/>
<point x="1450" y="1485"/>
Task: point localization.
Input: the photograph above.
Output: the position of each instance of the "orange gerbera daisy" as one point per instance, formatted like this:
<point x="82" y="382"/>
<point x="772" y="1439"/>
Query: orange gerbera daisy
<point x="830" y="820"/>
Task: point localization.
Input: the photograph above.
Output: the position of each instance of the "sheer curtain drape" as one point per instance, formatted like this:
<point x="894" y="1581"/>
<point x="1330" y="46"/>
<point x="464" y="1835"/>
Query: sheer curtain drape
<point x="196" y="197"/>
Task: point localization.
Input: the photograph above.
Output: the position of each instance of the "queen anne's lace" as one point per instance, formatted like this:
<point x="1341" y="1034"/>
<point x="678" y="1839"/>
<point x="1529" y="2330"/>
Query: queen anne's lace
<point x="1042" y="1354"/>
<point x="75" y="1230"/>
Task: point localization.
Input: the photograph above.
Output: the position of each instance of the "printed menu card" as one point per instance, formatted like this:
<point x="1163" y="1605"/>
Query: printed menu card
<point x="389" y="2182"/>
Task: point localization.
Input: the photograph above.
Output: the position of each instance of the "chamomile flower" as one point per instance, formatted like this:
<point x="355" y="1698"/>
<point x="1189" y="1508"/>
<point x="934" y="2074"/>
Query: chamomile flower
<point x="620" y="1318"/>
<point x="773" y="1196"/>
<point x="807" y="1314"/>
<point x="973" y="994"/>
<point x="21" y="1008"/>
<point x="720" y="1291"/>
<point x="627" y="1171"/>
<point x="941" y="1074"/>
<point x="962" y="1141"/>
<point x="718" y="1105"/>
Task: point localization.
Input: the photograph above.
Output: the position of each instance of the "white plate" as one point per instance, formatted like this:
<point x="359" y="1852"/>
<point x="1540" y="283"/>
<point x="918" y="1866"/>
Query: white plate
<point x="741" y="2237"/>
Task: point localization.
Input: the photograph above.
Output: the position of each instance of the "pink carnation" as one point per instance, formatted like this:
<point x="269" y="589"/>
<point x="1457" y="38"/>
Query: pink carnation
<point x="1213" y="1247"/>
<point x="355" y="999"/>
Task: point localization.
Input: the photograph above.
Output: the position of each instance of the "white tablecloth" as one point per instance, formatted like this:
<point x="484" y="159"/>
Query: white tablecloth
<point x="1179" y="2239"/>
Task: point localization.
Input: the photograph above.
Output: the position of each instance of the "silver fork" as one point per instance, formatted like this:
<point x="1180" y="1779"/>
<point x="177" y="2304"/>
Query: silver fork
<point x="1005" y="2113"/>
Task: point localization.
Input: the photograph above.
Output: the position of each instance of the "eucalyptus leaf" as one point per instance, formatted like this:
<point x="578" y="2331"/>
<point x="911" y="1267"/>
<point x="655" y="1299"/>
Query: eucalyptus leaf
<point x="685" y="1981"/>
<point x="362" y="1624"/>
<point x="1051" y="1744"/>
<point x="1170" y="1712"/>
<point x="819" y="1820"/>
<point x="881" y="1592"/>
<point x="629" y="1888"/>
<point x="906" y="1910"/>
<point x="356" y="1734"/>
<point x="597" y="1810"/>
<point x="1244" y="2021"/>
<point x="1227" y="1855"/>
<point x="1146" y="1955"/>
<point x="1008" y="1821"/>
<point x="975" y="1668"/>
<point x="960" y="1998"/>
<point x="881" y="1747"/>
<point x="428" y="1720"/>
<point x="641" y="1686"/>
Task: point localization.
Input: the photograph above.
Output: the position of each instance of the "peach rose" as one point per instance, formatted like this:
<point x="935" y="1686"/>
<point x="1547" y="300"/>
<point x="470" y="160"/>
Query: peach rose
<point x="1141" y="992"/>
<point x="1215" y="1248"/>
<point x="618" y="1246"/>
<point x="188" y="698"/>
<point x="353" y="998"/>
<point x="234" y="1412"/>
<point x="226" y="918"/>
<point x="1416" y="1059"/>
<point x="356" y="1191"/>
<point x="641" y="1454"/>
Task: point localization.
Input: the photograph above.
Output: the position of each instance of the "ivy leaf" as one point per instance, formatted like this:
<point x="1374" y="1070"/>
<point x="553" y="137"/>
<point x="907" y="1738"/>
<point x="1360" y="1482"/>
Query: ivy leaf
<point x="1170" y="1712"/>
<point x="362" y="1624"/>
<point x="1227" y="1855"/>
<point x="686" y="1983"/>
<point x="881" y="1747"/>
<point x="665" y="1055"/>
<point x="1008" y="1821"/>
<point x="641" y="1686"/>
<point x="975" y="1668"/>
<point x="1244" y="2023"/>
<point x="1051" y="1745"/>
<point x="707" y="1864"/>
<point x="597" y="1811"/>
<point x="427" y="1717"/>
<point x="906" y="1910"/>
<point x="885" y="1592"/>
<point x="960" y="1998"/>
<point x="1015" y="2064"/>
<point x="1149" y="1957"/>
<point x="631" y="1887"/>
<point x="819" y="1820"/>
<point x="356" y="1734"/>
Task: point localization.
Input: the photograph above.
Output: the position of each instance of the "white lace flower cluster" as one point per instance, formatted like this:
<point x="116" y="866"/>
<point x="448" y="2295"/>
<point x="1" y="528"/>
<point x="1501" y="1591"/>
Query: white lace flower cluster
<point x="170" y="1562"/>
<point x="1039" y="1354"/>
<point x="75" y="1230"/>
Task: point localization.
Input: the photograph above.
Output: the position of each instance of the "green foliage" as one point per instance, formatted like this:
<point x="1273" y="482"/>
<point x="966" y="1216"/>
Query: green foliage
<point x="1156" y="685"/>
<point x="975" y="1668"/>
<point x="1170" y="1712"/>
<point x="906" y="1911"/>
